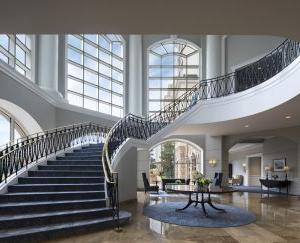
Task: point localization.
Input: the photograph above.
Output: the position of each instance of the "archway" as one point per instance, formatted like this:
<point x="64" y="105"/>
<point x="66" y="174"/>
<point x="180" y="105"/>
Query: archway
<point x="23" y="122"/>
<point x="175" y="159"/>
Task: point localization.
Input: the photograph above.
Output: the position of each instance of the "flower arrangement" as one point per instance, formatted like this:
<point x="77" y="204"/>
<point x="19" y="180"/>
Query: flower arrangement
<point x="204" y="182"/>
<point x="196" y="175"/>
<point x="200" y="179"/>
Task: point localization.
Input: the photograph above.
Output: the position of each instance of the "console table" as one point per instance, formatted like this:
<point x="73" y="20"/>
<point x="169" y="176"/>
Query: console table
<point x="274" y="184"/>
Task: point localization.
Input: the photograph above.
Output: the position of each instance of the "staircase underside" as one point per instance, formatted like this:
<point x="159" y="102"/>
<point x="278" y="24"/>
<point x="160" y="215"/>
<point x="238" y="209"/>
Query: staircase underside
<point x="66" y="196"/>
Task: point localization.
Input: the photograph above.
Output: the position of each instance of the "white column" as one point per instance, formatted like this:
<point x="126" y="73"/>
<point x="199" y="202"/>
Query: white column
<point x="213" y="56"/>
<point x="135" y="91"/>
<point x="213" y="151"/>
<point x="298" y="162"/>
<point x="223" y="54"/>
<point x="143" y="165"/>
<point x="48" y="64"/>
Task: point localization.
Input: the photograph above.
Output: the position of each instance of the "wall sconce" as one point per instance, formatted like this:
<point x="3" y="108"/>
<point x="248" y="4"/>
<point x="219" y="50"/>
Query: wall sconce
<point x="245" y="167"/>
<point x="212" y="162"/>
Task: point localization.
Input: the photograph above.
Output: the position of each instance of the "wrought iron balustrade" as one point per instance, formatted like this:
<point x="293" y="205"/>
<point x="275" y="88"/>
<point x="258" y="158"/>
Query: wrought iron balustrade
<point x="31" y="148"/>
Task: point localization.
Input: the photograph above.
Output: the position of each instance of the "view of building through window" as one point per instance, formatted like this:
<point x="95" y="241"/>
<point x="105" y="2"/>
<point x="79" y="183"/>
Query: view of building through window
<point x="174" y="67"/>
<point x="175" y="159"/>
<point x="15" y="50"/>
<point x="95" y="65"/>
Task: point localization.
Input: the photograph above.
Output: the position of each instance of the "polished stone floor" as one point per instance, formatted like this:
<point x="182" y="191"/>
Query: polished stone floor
<point x="278" y="220"/>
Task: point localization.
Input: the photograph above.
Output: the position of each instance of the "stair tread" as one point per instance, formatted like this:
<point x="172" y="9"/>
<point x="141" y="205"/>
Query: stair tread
<point x="58" y="184"/>
<point x="52" y="227"/>
<point x="53" y="213"/>
<point x="41" y="193"/>
<point x="94" y="160"/>
<point x="16" y="204"/>
<point x="60" y="177"/>
<point x="67" y="171"/>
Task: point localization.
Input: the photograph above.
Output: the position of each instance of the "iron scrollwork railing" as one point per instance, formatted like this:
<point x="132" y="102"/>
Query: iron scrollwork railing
<point x="31" y="148"/>
<point x="246" y="77"/>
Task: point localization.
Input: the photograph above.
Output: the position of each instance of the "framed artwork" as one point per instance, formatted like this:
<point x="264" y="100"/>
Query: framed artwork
<point x="279" y="164"/>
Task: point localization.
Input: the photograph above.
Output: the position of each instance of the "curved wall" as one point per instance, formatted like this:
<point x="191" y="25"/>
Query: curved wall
<point x="277" y="90"/>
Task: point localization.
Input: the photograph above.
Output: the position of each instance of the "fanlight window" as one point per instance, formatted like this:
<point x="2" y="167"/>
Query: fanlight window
<point x="9" y="129"/>
<point x="174" y="67"/>
<point x="15" y="50"/>
<point x="95" y="70"/>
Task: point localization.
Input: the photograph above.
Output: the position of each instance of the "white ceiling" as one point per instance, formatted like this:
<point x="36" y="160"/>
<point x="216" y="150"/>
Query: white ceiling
<point x="241" y="147"/>
<point x="268" y="120"/>
<point x="268" y="17"/>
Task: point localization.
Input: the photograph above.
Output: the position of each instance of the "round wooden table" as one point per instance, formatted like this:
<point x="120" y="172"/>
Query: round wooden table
<point x="192" y="189"/>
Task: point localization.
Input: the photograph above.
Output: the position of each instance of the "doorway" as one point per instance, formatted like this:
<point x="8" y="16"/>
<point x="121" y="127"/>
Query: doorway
<point x="254" y="170"/>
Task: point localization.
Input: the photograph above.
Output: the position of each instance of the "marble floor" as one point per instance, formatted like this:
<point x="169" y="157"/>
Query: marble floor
<point x="278" y="220"/>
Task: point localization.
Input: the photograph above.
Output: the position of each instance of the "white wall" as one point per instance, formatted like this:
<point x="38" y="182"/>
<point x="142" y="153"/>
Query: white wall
<point x="127" y="170"/>
<point x="273" y="148"/>
<point x="277" y="148"/>
<point x="243" y="49"/>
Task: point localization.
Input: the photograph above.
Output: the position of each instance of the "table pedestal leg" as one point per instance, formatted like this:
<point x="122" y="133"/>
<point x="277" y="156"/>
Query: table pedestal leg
<point x="188" y="204"/>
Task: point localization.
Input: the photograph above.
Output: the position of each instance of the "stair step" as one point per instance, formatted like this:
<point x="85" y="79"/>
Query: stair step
<point x="46" y="218"/>
<point x="93" y="150"/>
<point x="66" y="196"/>
<point x="38" y="233"/>
<point x="63" y="173"/>
<point x="47" y="206"/>
<point x="71" y="167"/>
<point x="53" y="180"/>
<point x="51" y="196"/>
<point x="80" y="157"/>
<point x="93" y="146"/>
<point x="55" y="187"/>
<point x="83" y="153"/>
<point x="74" y="162"/>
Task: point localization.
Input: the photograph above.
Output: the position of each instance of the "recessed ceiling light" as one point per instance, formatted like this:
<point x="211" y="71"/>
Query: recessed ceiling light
<point x="288" y="117"/>
<point x="246" y="126"/>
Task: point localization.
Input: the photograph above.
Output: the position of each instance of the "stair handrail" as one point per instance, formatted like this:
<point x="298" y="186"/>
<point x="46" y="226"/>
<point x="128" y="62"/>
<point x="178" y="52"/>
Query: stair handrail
<point x="18" y="140"/>
<point x="20" y="155"/>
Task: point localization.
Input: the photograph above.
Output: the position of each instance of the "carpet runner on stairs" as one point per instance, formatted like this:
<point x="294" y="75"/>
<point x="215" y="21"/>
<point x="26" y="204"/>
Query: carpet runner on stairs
<point x="64" y="197"/>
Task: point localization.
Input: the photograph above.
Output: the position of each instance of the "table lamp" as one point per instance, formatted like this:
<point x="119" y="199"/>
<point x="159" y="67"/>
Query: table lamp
<point x="286" y="170"/>
<point x="267" y="169"/>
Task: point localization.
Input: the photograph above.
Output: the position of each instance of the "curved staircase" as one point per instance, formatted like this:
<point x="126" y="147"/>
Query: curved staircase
<point x="67" y="195"/>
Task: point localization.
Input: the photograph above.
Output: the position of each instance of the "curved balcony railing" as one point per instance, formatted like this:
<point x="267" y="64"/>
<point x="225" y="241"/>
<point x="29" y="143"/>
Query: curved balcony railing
<point x="246" y="77"/>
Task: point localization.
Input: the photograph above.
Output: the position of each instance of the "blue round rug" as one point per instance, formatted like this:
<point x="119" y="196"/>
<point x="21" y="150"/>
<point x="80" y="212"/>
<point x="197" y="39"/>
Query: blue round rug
<point x="194" y="216"/>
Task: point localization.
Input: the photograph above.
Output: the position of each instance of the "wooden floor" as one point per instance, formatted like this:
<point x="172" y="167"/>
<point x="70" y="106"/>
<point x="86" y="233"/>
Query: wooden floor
<point x="278" y="220"/>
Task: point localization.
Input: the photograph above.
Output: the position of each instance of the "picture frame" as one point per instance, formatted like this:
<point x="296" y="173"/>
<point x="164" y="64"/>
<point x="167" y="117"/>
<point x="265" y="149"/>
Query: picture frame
<point x="279" y="164"/>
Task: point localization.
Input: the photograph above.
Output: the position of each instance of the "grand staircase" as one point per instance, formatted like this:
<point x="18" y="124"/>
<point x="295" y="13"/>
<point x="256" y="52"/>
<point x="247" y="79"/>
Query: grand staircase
<point x="63" y="197"/>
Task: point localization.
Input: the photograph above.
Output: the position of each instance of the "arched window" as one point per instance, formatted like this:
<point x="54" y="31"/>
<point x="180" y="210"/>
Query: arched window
<point x="9" y="129"/>
<point x="174" y="67"/>
<point x="95" y="69"/>
<point x="175" y="159"/>
<point x="15" y="50"/>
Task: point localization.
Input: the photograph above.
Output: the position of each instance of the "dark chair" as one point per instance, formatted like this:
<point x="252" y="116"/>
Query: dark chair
<point x="147" y="186"/>
<point x="218" y="178"/>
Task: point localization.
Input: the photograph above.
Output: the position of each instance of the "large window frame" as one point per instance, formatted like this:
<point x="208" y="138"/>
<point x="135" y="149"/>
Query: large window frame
<point x="187" y="158"/>
<point x="15" y="130"/>
<point x="95" y="72"/>
<point x="164" y="88"/>
<point x="16" y="50"/>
